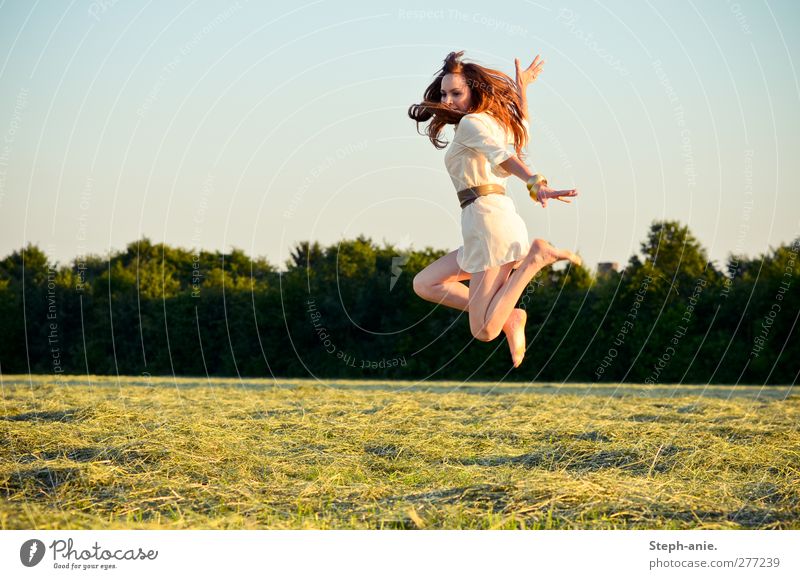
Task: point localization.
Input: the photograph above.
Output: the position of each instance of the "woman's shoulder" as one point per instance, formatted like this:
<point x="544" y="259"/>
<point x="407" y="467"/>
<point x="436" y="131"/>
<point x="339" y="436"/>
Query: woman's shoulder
<point x="481" y="116"/>
<point x="480" y="122"/>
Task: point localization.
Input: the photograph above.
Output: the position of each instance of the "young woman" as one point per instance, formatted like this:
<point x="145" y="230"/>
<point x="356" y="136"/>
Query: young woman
<point x="490" y="113"/>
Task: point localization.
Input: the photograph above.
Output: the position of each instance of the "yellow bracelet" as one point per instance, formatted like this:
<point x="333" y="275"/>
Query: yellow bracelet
<point x="534" y="184"/>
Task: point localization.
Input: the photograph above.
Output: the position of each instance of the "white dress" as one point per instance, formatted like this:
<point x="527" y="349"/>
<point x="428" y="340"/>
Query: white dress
<point x="492" y="230"/>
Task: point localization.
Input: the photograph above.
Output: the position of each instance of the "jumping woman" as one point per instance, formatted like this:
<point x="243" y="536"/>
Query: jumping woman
<point x="490" y="114"/>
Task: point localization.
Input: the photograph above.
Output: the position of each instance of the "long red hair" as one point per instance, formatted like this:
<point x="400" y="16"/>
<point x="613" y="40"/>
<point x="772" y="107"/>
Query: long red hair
<point x="491" y="91"/>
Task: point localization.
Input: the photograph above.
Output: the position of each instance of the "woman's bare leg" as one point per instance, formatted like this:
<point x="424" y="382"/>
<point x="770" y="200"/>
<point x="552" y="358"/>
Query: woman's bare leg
<point x="491" y="300"/>
<point x="440" y="283"/>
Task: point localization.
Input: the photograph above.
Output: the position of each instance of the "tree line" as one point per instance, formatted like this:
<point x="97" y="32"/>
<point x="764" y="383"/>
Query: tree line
<point x="349" y="311"/>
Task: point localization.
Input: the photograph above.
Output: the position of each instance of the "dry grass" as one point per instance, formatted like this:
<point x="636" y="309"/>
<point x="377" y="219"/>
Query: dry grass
<point x="102" y="453"/>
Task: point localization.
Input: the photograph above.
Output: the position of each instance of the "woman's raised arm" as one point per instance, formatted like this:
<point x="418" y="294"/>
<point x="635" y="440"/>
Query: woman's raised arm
<point x="524" y="78"/>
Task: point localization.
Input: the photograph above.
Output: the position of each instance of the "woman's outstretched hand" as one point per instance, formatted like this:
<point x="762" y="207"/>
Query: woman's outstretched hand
<point x="527" y="76"/>
<point x="546" y="193"/>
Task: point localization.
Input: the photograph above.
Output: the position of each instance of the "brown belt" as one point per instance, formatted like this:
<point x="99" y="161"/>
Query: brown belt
<point x="467" y="196"/>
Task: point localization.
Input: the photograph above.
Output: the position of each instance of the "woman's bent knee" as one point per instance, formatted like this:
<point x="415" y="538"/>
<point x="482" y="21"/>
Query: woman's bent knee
<point x="485" y="333"/>
<point x="482" y="336"/>
<point x="421" y="286"/>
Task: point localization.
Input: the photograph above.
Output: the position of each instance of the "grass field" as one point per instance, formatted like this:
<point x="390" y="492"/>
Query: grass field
<point x="136" y="452"/>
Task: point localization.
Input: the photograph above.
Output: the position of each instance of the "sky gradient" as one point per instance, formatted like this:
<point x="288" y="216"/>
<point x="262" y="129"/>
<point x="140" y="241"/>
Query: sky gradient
<point x="217" y="125"/>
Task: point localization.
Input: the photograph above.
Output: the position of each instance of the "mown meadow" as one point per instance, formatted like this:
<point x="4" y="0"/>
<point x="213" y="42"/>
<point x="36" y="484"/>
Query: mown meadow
<point x="100" y="452"/>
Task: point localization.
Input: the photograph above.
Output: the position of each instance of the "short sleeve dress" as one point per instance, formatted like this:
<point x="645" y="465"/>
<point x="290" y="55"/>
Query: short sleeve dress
<point x="492" y="230"/>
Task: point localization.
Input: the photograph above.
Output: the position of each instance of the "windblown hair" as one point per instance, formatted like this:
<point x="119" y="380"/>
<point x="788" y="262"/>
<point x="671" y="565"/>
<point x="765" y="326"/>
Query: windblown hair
<point x="491" y="91"/>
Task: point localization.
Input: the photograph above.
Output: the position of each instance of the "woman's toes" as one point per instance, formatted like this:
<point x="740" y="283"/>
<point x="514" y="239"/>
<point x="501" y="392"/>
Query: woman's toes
<point x="515" y="331"/>
<point x="574" y="258"/>
<point x="518" y="357"/>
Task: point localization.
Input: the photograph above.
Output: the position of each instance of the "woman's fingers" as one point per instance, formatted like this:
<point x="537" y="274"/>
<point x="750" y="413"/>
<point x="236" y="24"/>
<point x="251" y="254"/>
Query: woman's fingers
<point x="568" y="193"/>
<point x="529" y="74"/>
<point x="536" y="66"/>
<point x="546" y="193"/>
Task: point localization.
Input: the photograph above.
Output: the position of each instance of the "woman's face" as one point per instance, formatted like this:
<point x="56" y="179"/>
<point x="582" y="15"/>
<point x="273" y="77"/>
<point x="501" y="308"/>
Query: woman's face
<point x="455" y="92"/>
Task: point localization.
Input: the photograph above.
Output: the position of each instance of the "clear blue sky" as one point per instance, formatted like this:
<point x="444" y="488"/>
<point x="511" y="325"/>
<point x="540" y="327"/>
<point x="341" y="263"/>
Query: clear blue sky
<point x="260" y="124"/>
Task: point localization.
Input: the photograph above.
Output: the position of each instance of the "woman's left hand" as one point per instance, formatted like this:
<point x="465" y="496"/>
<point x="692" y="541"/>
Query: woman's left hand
<point x="527" y="76"/>
<point x="546" y="193"/>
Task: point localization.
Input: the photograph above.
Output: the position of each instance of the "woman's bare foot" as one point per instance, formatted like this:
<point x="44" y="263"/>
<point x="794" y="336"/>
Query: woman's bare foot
<point x="542" y="254"/>
<point x="514" y="329"/>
